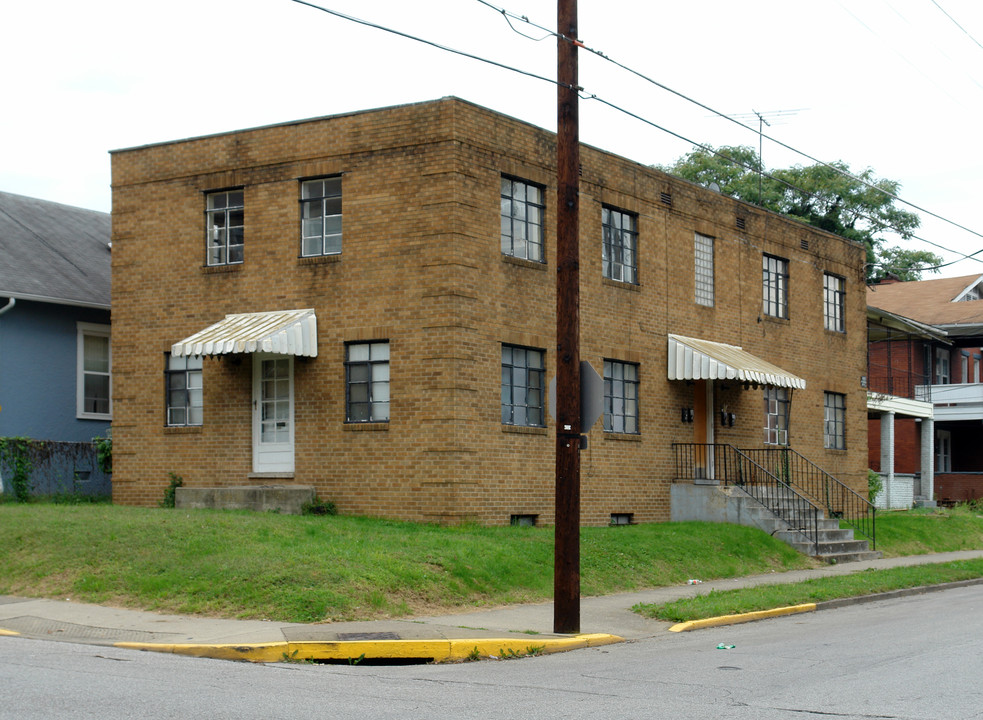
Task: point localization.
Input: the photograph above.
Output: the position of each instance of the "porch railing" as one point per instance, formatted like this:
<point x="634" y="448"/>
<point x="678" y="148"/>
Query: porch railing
<point x="837" y="499"/>
<point x="734" y="467"/>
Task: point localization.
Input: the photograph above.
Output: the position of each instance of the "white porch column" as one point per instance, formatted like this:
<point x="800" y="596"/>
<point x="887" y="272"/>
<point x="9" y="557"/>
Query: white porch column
<point x="887" y="455"/>
<point x="928" y="461"/>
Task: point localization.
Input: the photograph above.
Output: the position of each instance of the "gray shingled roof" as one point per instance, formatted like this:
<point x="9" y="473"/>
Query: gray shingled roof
<point x="53" y="252"/>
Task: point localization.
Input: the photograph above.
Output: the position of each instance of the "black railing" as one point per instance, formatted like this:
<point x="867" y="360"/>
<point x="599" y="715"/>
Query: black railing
<point x="805" y="476"/>
<point x="727" y="464"/>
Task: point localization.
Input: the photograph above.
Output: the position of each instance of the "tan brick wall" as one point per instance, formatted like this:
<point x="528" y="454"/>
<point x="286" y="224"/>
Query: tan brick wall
<point x="422" y="268"/>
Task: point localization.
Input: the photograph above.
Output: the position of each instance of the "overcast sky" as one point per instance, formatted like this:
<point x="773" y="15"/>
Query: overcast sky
<point x="896" y="85"/>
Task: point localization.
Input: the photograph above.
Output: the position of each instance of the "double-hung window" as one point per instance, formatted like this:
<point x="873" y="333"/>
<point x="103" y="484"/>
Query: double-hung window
<point x="833" y="302"/>
<point x="620" y="397"/>
<point x="522" y="220"/>
<point x="619" y="245"/>
<point x="184" y="390"/>
<point x="703" y="262"/>
<point x="367" y="382"/>
<point x="320" y="212"/>
<point x="942" y="366"/>
<point x="834" y="414"/>
<point x="776" y="415"/>
<point x="93" y="387"/>
<point x="224" y="212"/>
<point x="774" y="274"/>
<point x="523" y="370"/>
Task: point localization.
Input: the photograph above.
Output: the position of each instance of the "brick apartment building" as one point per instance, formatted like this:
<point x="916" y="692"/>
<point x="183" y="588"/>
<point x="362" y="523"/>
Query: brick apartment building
<point x="364" y="303"/>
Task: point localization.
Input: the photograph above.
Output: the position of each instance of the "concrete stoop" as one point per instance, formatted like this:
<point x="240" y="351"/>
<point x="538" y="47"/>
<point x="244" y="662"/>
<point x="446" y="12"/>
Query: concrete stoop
<point x="287" y="499"/>
<point x="718" y="503"/>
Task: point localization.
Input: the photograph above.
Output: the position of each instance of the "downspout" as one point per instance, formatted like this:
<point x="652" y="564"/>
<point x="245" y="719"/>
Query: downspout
<point x="6" y="308"/>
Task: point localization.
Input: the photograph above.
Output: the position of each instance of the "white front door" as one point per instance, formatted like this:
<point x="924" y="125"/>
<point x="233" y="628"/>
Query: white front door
<point x="273" y="413"/>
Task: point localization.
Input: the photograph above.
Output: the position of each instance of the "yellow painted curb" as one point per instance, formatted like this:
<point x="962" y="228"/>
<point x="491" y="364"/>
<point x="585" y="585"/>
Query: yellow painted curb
<point x="8" y="632"/>
<point x="742" y="618"/>
<point x="435" y="650"/>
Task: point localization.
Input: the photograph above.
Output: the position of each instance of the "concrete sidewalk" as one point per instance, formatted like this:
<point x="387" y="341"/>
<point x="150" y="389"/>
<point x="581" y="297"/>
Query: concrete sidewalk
<point x="508" y="631"/>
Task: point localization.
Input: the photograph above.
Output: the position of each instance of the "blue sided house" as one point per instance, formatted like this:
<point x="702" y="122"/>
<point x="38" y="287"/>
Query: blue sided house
<point x="55" y="353"/>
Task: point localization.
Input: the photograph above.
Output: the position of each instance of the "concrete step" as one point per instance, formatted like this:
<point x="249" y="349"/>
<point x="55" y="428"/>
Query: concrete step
<point x="287" y="499"/>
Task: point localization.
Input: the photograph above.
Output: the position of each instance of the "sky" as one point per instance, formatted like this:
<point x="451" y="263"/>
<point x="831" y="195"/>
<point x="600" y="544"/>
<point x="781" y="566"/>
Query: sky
<point x="893" y="85"/>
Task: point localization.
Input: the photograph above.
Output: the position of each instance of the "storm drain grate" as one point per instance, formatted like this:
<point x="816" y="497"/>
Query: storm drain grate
<point x="348" y="637"/>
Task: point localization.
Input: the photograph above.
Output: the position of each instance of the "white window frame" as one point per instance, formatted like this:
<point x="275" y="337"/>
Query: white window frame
<point x="942" y="373"/>
<point x="225" y="227"/>
<point x="777" y="404"/>
<point x="321" y="209"/>
<point x="703" y="269"/>
<point x="834" y="302"/>
<point x="523" y="212"/>
<point x="83" y="330"/>
<point x="834" y="425"/>
<point x="943" y="451"/>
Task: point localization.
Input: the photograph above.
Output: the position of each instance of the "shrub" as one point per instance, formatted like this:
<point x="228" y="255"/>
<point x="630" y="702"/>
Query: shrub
<point x="875" y="484"/>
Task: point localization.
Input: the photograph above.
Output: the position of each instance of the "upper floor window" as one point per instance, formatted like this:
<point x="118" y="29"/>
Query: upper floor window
<point x="522" y="386"/>
<point x="834" y="415"/>
<point x="367" y="382"/>
<point x="93" y="388"/>
<point x="941" y="366"/>
<point x="320" y="212"/>
<point x="703" y="262"/>
<point x="224" y="227"/>
<point x="620" y="397"/>
<point x="776" y="415"/>
<point x="183" y="390"/>
<point x="833" y="302"/>
<point x="522" y="220"/>
<point x="619" y="245"/>
<point x="774" y="274"/>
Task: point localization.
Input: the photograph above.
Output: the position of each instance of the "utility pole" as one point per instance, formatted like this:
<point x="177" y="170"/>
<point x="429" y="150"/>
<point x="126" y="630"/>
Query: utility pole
<point x="566" y="562"/>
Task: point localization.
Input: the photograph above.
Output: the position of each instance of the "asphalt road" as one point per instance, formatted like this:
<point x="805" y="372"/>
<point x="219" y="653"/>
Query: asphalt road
<point x="911" y="658"/>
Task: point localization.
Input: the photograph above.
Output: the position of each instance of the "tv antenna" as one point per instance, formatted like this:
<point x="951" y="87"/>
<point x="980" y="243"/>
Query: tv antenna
<point x="765" y="118"/>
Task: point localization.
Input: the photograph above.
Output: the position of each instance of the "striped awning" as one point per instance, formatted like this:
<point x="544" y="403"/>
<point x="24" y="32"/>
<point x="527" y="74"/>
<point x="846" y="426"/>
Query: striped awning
<point x="284" y="332"/>
<point x="693" y="359"/>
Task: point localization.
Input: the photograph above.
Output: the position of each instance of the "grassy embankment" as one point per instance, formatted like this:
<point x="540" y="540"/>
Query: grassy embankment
<point x="309" y="569"/>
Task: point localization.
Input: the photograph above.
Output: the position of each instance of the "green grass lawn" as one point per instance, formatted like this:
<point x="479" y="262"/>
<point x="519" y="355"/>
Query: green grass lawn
<point x="308" y="569"/>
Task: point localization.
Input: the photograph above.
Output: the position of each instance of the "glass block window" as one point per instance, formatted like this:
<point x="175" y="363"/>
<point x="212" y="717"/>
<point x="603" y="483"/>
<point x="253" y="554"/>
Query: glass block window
<point x="320" y="211"/>
<point x="776" y="415"/>
<point x="184" y="390"/>
<point x="522" y="219"/>
<point x="523" y="370"/>
<point x="775" y="286"/>
<point x="620" y="397"/>
<point x="619" y="245"/>
<point x="834" y="413"/>
<point x="367" y="382"/>
<point x="703" y="262"/>
<point x="834" y="295"/>
<point x="224" y="213"/>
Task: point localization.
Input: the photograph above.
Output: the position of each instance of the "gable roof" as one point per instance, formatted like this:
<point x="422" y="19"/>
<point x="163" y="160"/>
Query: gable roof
<point x="930" y="301"/>
<point x="53" y="253"/>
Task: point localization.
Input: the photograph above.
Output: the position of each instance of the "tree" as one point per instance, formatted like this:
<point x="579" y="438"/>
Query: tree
<point x="820" y="195"/>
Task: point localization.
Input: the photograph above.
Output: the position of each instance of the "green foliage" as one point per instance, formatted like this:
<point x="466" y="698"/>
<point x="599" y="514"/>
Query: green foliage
<point x="875" y="484"/>
<point x="317" y="506"/>
<point x="765" y="597"/>
<point x="16" y="457"/>
<point x="820" y="195"/>
<point x="171" y="491"/>
<point x="104" y="452"/>
<point x="474" y="655"/>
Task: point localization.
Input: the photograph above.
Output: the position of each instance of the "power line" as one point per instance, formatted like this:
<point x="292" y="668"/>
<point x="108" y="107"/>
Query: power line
<point x="699" y="104"/>
<point x="655" y="125"/>
<point x="957" y="24"/>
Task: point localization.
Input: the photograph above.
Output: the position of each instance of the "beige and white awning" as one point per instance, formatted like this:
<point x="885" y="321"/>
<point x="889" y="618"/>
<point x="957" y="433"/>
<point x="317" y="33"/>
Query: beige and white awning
<point x="693" y="359"/>
<point x="284" y="332"/>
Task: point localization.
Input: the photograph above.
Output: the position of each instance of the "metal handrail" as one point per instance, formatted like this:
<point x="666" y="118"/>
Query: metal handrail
<point x="840" y="501"/>
<point x="732" y="466"/>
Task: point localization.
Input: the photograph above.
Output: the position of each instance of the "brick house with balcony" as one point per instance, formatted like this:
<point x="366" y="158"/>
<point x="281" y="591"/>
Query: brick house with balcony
<point x="364" y="304"/>
<point x="938" y="364"/>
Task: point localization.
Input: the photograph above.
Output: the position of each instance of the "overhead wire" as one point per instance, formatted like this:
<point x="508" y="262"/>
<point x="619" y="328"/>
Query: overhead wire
<point x="703" y="106"/>
<point x="636" y="116"/>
